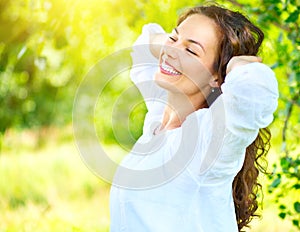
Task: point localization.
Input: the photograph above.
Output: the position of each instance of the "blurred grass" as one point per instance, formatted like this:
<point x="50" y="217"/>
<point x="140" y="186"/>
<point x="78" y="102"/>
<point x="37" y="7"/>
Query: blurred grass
<point x="49" y="189"/>
<point x="45" y="186"/>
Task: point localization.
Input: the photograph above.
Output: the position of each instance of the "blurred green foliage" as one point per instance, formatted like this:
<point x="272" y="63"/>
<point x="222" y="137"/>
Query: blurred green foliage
<point x="51" y="190"/>
<point x="48" y="46"/>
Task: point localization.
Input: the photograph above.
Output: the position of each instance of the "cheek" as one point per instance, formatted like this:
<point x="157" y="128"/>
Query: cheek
<point x="198" y="74"/>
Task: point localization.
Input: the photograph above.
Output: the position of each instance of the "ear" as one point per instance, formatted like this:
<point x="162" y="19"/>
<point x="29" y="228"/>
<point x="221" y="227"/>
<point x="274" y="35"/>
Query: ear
<point x="214" y="82"/>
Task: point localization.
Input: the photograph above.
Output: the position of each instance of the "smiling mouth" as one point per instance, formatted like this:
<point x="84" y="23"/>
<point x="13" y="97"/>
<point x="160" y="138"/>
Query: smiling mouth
<point x="169" y="70"/>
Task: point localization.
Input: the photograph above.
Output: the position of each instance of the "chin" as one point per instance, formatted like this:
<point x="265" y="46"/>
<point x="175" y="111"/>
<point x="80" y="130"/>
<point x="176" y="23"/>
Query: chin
<point x="167" y="82"/>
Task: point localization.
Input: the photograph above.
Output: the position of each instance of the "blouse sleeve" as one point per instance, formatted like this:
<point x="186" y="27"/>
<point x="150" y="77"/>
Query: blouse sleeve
<point x="144" y="66"/>
<point x="248" y="101"/>
<point x="250" y="95"/>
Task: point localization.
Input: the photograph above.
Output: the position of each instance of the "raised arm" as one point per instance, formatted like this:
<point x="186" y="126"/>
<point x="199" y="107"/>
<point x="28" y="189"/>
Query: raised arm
<point x="248" y="101"/>
<point x="250" y="95"/>
<point x="144" y="66"/>
<point x="156" y="40"/>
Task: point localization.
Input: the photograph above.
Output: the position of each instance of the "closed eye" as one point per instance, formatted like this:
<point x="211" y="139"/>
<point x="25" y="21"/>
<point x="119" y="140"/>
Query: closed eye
<point x="172" y="38"/>
<point x="191" y="51"/>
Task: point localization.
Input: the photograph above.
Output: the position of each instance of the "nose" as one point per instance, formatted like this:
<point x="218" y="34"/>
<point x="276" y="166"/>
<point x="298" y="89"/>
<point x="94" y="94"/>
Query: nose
<point x="171" y="51"/>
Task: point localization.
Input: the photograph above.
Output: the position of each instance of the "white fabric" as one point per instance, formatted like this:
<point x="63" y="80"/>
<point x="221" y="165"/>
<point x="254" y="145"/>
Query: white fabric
<point x="199" y="198"/>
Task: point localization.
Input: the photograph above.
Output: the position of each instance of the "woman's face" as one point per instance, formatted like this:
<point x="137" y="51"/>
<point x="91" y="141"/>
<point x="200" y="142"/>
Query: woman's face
<point x="186" y="61"/>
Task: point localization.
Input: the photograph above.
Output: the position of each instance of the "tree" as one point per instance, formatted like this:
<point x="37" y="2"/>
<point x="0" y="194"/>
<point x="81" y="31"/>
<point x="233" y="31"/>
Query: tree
<point x="47" y="46"/>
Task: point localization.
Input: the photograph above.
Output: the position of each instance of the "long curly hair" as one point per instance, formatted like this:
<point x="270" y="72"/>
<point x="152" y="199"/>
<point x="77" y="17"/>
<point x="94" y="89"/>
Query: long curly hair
<point x="239" y="37"/>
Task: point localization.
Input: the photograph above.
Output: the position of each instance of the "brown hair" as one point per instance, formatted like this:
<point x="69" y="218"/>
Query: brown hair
<point x="239" y="37"/>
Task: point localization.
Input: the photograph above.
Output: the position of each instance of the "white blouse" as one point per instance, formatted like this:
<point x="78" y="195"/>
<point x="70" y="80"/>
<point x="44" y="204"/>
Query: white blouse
<point x="181" y="179"/>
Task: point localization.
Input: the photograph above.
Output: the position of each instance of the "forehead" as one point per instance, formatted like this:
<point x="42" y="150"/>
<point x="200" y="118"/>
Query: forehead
<point x="200" y="28"/>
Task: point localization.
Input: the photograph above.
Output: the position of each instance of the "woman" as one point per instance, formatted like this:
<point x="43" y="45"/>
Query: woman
<point x="218" y="97"/>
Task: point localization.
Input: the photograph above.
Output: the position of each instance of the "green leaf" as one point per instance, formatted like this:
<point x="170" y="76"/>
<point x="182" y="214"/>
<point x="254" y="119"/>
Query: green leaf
<point x="297" y="206"/>
<point x="280" y="37"/>
<point x="296" y="222"/>
<point x="276" y="182"/>
<point x="296" y="186"/>
<point x="273" y="5"/>
<point x="282" y="215"/>
<point x="275" y="65"/>
<point x="282" y="207"/>
<point x="293" y="17"/>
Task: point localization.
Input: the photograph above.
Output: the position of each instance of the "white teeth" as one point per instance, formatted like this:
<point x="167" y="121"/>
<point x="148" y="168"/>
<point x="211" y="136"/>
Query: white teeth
<point x="169" y="69"/>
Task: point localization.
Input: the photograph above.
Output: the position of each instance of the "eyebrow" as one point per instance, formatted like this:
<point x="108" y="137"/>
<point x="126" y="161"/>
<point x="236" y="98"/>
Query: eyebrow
<point x="191" y="40"/>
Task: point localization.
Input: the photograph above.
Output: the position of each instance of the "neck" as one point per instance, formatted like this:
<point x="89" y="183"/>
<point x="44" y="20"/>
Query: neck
<point x="179" y="106"/>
